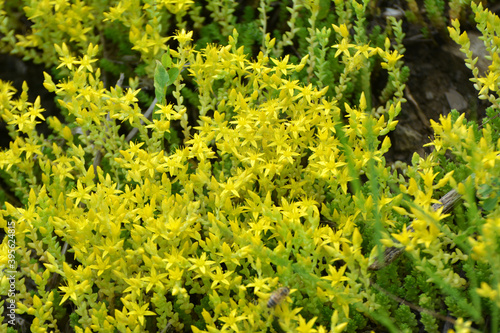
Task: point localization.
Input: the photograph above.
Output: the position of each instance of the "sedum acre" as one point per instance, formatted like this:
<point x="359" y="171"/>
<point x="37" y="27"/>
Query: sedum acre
<point x="252" y="174"/>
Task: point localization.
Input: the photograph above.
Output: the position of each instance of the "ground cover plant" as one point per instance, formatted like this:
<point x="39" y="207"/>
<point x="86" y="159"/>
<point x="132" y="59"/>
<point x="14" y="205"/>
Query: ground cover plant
<point x="221" y="166"/>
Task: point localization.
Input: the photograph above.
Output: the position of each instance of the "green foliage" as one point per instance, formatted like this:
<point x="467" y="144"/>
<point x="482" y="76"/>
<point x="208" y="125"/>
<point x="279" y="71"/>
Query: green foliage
<point x="164" y="78"/>
<point x="261" y="166"/>
<point x="430" y="323"/>
<point x="74" y="317"/>
<point x="435" y="14"/>
<point x="406" y="319"/>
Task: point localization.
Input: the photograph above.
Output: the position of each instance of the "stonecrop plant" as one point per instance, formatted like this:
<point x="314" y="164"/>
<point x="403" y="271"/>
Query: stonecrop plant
<point x="254" y="169"/>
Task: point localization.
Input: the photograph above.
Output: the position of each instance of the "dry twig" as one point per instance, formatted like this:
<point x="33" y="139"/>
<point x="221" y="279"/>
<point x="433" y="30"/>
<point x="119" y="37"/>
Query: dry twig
<point x="448" y="201"/>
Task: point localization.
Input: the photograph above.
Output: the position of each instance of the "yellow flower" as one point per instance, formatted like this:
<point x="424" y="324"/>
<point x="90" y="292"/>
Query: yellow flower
<point x="365" y="50"/>
<point x="404" y="238"/>
<point x="232" y="320"/>
<point x="390" y="57"/>
<point x="220" y="277"/>
<point x="183" y="37"/>
<point x="487" y="292"/>
<point x="137" y="311"/>
<point x="177" y="6"/>
<point x="201" y="263"/>
<point x="306" y="327"/>
<point x="342" y="30"/>
<point x="488" y="83"/>
<point x="81" y="193"/>
<point x="66" y="58"/>
<point x="281" y="66"/>
<point x="305" y="92"/>
<point x="154" y="279"/>
<point x="343" y="47"/>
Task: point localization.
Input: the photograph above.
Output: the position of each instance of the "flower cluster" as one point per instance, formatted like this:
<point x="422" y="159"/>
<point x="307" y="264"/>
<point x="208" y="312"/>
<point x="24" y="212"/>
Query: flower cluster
<point x="280" y="181"/>
<point x="167" y="236"/>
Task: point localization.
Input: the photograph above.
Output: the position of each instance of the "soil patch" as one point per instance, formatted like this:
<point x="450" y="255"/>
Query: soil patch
<point x="439" y="82"/>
